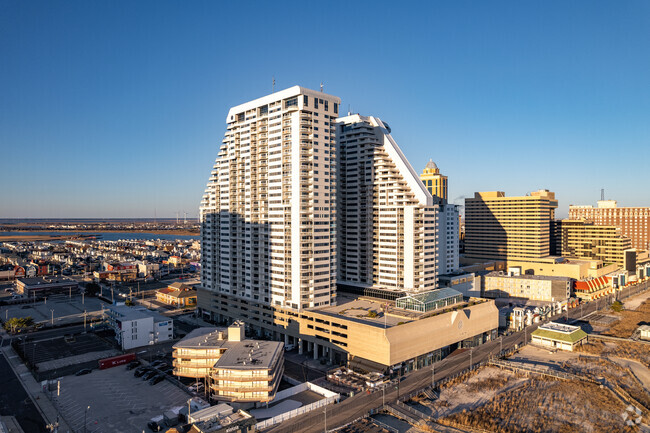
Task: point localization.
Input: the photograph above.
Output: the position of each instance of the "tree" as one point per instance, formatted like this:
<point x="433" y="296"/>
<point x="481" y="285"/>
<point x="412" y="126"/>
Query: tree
<point x="17" y="324"/>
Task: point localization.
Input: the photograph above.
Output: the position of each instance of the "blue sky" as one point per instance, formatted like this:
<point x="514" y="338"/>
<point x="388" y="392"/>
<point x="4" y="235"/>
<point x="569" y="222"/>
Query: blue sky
<point x="116" y="109"/>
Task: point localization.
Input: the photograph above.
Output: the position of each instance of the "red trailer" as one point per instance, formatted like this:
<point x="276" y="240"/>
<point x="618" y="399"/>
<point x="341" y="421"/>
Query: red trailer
<point x="116" y="360"/>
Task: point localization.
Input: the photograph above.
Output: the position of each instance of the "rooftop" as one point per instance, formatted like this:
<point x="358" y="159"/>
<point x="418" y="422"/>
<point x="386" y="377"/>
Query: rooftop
<point x="133" y="313"/>
<point x="560" y="332"/>
<point x="204" y="338"/>
<point x="527" y="276"/>
<point x="37" y="281"/>
<point x="251" y="354"/>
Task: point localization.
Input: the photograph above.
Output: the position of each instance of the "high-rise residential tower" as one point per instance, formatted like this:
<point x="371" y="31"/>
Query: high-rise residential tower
<point x="268" y="213"/>
<point x="500" y="228"/>
<point x="435" y="182"/>
<point x="388" y="225"/>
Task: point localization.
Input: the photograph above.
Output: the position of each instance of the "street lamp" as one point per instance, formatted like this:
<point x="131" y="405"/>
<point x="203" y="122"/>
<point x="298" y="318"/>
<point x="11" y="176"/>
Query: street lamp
<point x="85" y="417"/>
<point x="325" y="411"/>
<point x="52" y="311"/>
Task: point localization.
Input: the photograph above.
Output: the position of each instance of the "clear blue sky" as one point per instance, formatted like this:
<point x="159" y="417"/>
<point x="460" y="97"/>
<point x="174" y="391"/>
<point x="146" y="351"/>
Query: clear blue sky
<point x="117" y="108"/>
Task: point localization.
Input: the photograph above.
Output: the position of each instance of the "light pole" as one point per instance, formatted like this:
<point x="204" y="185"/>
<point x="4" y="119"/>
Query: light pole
<point x="433" y="376"/>
<point x="52" y="311"/>
<point x="501" y="343"/>
<point x="85" y="417"/>
<point x="470" y="358"/>
<point x="325" y="411"/>
<point x="189" y="410"/>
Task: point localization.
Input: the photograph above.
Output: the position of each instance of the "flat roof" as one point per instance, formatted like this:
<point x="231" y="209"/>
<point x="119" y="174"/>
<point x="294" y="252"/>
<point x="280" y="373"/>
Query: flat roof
<point x="502" y="274"/>
<point x="132" y="313"/>
<point x="250" y="354"/>
<point x="207" y="337"/>
<point x="432" y="295"/>
<point x="41" y="281"/>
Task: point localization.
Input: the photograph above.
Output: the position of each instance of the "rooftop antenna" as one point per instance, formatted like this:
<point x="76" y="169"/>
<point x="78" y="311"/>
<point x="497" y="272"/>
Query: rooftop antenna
<point x="176" y="217"/>
<point x="273" y="86"/>
<point x="602" y="193"/>
<point x="349" y="110"/>
<point x="321" y="87"/>
<point x="185" y="218"/>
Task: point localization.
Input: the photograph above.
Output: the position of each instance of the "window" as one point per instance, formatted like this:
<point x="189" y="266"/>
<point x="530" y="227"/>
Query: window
<point x="293" y="102"/>
<point x="326" y="105"/>
<point x="336" y="108"/>
<point x="305" y="100"/>
<point x="315" y="102"/>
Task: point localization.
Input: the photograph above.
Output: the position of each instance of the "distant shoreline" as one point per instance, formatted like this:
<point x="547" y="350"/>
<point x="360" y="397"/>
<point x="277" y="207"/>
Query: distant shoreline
<point x="64" y="234"/>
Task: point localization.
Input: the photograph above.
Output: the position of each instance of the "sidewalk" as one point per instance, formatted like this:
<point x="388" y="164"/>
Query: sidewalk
<point x="34" y="390"/>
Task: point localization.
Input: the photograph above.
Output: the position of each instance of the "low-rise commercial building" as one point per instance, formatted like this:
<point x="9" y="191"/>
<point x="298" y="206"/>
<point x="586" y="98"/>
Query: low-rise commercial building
<point x="177" y="294"/>
<point x="137" y="327"/>
<point x="559" y="336"/>
<point x="236" y="369"/>
<point x="45" y="286"/>
<point x="221" y="418"/>
<point x="372" y="335"/>
<point x="534" y="287"/>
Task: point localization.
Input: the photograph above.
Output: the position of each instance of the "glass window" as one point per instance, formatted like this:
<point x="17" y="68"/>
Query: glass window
<point x="336" y="108"/>
<point x="315" y="102"/>
<point x="305" y="100"/>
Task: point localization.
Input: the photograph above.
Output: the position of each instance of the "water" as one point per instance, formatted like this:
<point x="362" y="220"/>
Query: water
<point x="112" y="236"/>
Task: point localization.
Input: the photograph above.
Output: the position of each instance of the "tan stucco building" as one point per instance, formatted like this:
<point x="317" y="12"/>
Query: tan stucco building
<point x="584" y="239"/>
<point x="364" y="333"/>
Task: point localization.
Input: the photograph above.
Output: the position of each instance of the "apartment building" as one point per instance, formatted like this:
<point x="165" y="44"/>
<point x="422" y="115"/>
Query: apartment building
<point x="387" y="223"/>
<point x="268" y="215"/>
<point x="236" y="369"/>
<point x="435" y="182"/>
<point x="137" y="327"/>
<point x="584" y="239"/>
<point x="501" y="228"/>
<point x="633" y="221"/>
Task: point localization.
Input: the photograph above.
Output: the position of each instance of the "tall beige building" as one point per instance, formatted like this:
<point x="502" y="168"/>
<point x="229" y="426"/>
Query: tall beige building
<point x="269" y="213"/>
<point x="584" y="239"/>
<point x="633" y="221"/>
<point x="388" y="225"/>
<point x="501" y="228"/>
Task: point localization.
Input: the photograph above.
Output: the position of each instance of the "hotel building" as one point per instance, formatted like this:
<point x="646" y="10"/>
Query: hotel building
<point x="435" y="182"/>
<point x="633" y="221"/>
<point x="502" y="228"/>
<point x="584" y="239"/>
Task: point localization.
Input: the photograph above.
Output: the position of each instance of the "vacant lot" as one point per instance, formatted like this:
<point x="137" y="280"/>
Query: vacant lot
<point x="629" y="321"/>
<point x="621" y="349"/>
<point x="543" y="405"/>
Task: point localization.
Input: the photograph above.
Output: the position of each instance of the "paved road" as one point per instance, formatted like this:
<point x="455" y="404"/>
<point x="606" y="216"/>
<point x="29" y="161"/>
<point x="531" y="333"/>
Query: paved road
<point x="362" y="403"/>
<point x="17" y="402"/>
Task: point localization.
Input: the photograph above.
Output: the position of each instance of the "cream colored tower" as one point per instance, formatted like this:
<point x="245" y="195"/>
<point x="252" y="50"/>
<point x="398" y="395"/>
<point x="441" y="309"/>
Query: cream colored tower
<point x="499" y="227"/>
<point x="388" y="225"/>
<point x="268" y="213"/>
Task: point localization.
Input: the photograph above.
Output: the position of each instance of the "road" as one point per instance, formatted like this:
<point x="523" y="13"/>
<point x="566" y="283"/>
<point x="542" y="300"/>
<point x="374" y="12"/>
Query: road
<point x="354" y="407"/>
<point x="17" y="402"/>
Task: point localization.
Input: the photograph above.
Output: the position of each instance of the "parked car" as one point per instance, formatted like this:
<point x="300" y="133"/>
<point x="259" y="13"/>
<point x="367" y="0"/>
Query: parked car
<point x="157" y="363"/>
<point x="140" y="371"/>
<point x="133" y="364"/>
<point x="167" y="370"/>
<point x="148" y="375"/>
<point x="153" y="426"/>
<point x="83" y="371"/>
<point x="156" y="379"/>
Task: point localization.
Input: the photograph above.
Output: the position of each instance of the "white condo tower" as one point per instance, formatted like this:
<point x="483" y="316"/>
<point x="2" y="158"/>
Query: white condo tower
<point x="269" y="212"/>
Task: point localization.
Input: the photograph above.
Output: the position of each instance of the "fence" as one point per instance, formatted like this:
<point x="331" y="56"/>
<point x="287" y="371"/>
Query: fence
<point x="330" y="397"/>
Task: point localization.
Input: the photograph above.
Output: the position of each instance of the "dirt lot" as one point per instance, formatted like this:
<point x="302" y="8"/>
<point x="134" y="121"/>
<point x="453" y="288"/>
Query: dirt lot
<point x="543" y="405"/>
<point x="622" y="349"/>
<point x="629" y="321"/>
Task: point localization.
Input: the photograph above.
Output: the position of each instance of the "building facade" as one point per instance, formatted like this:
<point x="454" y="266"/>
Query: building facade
<point x="501" y="228"/>
<point x="435" y="182"/>
<point x="137" y="327"/>
<point x="584" y="239"/>
<point x="633" y="221"/>
<point x="388" y="226"/>
<point x="268" y="215"/>
<point x="532" y="287"/>
<point x="237" y="369"/>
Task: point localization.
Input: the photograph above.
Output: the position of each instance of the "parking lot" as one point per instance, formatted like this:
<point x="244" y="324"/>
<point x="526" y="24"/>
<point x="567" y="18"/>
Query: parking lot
<point x="63" y="308"/>
<point x="118" y="401"/>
